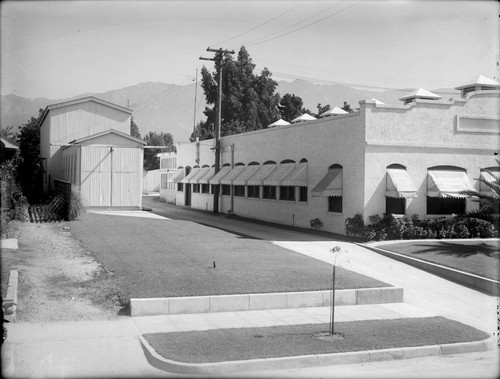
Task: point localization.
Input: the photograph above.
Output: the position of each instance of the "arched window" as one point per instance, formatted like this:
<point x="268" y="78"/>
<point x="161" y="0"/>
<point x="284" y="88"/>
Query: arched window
<point x="446" y="187"/>
<point x="399" y="187"/>
<point x="331" y="186"/>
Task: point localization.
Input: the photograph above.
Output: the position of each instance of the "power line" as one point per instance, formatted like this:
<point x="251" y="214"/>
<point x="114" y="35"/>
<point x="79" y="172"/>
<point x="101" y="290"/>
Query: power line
<point x="302" y="27"/>
<point x="286" y="69"/>
<point x="291" y="26"/>
<point x="256" y="27"/>
<point x="165" y="93"/>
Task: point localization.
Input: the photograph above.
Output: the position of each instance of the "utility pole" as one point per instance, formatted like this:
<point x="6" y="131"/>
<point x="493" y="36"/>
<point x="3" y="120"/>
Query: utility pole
<point x="218" y="65"/>
<point x="195" y="93"/>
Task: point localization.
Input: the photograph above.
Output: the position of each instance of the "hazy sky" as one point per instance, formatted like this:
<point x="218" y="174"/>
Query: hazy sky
<point x="61" y="49"/>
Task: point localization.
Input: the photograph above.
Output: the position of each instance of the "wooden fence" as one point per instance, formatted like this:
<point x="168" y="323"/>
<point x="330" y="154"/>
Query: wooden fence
<point x="57" y="209"/>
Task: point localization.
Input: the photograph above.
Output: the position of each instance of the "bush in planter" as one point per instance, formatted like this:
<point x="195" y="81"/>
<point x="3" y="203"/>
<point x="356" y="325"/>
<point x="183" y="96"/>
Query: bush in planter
<point x="315" y="223"/>
<point x="391" y="228"/>
<point x="355" y="226"/>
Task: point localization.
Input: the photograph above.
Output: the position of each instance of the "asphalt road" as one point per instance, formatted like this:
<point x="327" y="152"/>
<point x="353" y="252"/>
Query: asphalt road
<point x="236" y="225"/>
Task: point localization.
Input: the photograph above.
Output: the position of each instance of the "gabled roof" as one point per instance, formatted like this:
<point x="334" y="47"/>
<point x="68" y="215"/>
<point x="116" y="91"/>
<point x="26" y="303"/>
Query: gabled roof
<point x="110" y="131"/>
<point x="86" y="99"/>
<point x="82" y="100"/>
<point x="378" y="102"/>
<point x="421" y="93"/>
<point x="9" y="144"/>
<point x="279" y="122"/>
<point x="304" y="117"/>
<point x="481" y="81"/>
<point x="333" y="111"/>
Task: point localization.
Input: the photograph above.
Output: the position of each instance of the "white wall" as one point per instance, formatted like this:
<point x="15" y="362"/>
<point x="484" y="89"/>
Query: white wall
<point x="418" y="136"/>
<point x="151" y="181"/>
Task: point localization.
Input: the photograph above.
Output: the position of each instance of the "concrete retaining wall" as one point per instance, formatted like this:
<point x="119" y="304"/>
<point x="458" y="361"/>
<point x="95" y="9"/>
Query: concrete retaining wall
<point x="251" y="302"/>
<point x="489" y="286"/>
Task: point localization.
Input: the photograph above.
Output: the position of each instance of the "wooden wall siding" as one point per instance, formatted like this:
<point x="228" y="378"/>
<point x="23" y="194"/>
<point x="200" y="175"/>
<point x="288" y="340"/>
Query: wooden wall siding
<point x="111" y="178"/>
<point x="95" y="188"/>
<point x="81" y="120"/>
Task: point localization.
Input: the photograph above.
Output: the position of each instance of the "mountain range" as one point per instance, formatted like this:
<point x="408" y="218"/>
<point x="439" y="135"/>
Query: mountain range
<point x="170" y="108"/>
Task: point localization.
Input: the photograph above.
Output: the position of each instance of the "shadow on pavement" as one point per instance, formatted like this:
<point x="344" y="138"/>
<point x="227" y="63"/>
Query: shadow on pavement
<point x="241" y="226"/>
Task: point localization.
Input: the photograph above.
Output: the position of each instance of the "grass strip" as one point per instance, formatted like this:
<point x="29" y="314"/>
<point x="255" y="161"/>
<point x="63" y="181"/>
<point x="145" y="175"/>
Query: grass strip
<point x="283" y="341"/>
<point x="481" y="258"/>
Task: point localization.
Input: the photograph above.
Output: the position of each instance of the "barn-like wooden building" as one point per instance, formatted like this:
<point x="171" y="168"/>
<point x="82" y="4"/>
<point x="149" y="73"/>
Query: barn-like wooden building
<point x="87" y="142"/>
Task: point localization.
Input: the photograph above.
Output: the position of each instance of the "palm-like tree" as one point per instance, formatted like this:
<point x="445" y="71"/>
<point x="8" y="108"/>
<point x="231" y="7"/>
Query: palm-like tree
<point x="489" y="201"/>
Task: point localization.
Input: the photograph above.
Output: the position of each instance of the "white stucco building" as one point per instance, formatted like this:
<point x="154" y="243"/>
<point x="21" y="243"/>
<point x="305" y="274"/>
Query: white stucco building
<point x="87" y="142"/>
<point x="410" y="158"/>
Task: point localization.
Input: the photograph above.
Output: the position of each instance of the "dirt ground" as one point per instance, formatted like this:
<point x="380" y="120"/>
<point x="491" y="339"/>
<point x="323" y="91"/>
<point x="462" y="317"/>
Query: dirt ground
<point x="59" y="280"/>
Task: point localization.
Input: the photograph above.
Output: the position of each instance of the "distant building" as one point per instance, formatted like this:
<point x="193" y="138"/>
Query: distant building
<point x="8" y="149"/>
<point x="412" y="158"/>
<point x="87" y="142"/>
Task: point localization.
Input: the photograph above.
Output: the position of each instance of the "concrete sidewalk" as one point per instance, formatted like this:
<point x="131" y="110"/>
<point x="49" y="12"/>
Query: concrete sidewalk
<point x="423" y="290"/>
<point x="65" y="349"/>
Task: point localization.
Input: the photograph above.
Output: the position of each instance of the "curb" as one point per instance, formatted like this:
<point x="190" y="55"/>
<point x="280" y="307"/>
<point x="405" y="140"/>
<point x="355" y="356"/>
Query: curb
<point x="261" y="301"/>
<point x="314" y="360"/>
<point x="488" y="286"/>
<point x="9" y="304"/>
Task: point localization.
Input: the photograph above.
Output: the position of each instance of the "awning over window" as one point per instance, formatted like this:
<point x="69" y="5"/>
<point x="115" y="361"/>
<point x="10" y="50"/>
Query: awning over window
<point x="488" y="177"/>
<point x="191" y="175"/>
<point x="330" y="185"/>
<point x="278" y="175"/>
<point x="298" y="177"/>
<point x="245" y="175"/>
<point x="205" y="178"/>
<point x="201" y="172"/>
<point x="178" y="176"/>
<point x="263" y="172"/>
<point x="399" y="184"/>
<point x="228" y="179"/>
<point x="217" y="177"/>
<point x="447" y="183"/>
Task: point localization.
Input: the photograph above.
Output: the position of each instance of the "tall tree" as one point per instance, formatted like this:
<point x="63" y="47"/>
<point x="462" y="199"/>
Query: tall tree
<point x="248" y="100"/>
<point x="290" y="107"/>
<point x="347" y="107"/>
<point x="203" y="131"/>
<point x="322" y="109"/>
<point x="134" y="129"/>
<point x="30" y="169"/>
<point x="151" y="161"/>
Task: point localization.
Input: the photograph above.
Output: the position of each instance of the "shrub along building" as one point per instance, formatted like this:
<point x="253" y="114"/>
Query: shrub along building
<point x="87" y="142"/>
<point x="413" y="158"/>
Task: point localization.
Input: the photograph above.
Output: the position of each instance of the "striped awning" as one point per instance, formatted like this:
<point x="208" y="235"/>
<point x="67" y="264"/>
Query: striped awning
<point x="245" y="175"/>
<point x="262" y="173"/>
<point x="217" y="177"/>
<point x="206" y="177"/>
<point x="399" y="184"/>
<point x="191" y="175"/>
<point x="235" y="171"/>
<point x="442" y="183"/>
<point x="298" y="177"/>
<point x="278" y="175"/>
<point x="178" y="176"/>
<point x="330" y="185"/>
<point x="201" y="172"/>
<point x="490" y="177"/>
